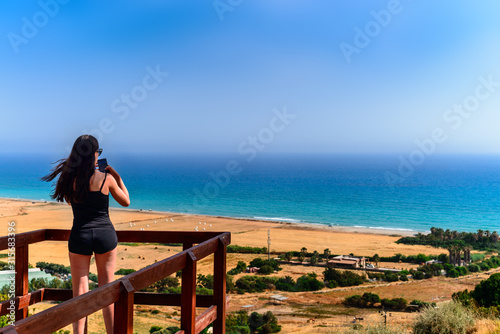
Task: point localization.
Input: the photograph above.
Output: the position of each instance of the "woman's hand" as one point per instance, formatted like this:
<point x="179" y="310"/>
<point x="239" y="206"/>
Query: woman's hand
<point x="112" y="171"/>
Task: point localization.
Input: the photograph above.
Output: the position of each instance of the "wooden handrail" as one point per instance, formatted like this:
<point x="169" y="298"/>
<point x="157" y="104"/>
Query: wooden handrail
<point x="124" y="291"/>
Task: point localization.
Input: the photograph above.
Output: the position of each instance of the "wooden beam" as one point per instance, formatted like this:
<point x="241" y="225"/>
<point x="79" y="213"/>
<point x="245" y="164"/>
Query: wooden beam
<point x="29" y="299"/>
<point x="188" y="295"/>
<point x="206" y="318"/>
<point x="57" y="234"/>
<point x="8" y="330"/>
<point x="23" y="239"/>
<point x="179" y="237"/>
<point x="124" y="308"/>
<point x="21" y="280"/>
<point x="140" y="298"/>
<point x="61" y="315"/>
<point x="169" y="299"/>
<point x="154" y="272"/>
<point x="76" y="308"/>
<point x="220" y="286"/>
<point x="59" y="295"/>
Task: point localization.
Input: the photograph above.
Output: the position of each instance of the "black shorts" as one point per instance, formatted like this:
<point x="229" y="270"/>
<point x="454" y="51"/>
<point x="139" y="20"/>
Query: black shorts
<point x="98" y="239"/>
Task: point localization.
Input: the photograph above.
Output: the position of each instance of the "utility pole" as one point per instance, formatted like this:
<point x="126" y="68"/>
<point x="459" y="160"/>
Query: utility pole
<point x="268" y="245"/>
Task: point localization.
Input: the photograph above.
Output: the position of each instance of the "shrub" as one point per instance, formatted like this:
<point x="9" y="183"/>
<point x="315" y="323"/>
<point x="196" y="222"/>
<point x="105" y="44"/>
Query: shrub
<point x="122" y="271"/>
<point x="421" y="305"/>
<point x="266" y="270"/>
<point x="255" y="284"/>
<point x="355" y="300"/>
<point x="263" y="323"/>
<point x="237" y="323"/>
<point x="463" y="297"/>
<point x="240" y="268"/>
<point x="285" y="284"/>
<point x="484" y="266"/>
<point x="93" y="277"/>
<point x="332" y="284"/>
<point x="259" y="263"/>
<point x="345" y="278"/>
<point x="394" y="304"/>
<point x="301" y="257"/>
<point x="54" y="267"/>
<point x="474" y="268"/>
<point x="206" y="282"/>
<point x="155" y="329"/>
<point x="371" y="298"/>
<point x="391" y="277"/>
<point x="246" y="250"/>
<point x="477" y="257"/>
<point x="309" y="283"/>
<point x="453" y="273"/>
<point x="449" y="318"/>
<point x="462" y="271"/>
<point x="487" y="293"/>
<point x="166" y="282"/>
<point x="418" y="275"/>
<point x="368" y="299"/>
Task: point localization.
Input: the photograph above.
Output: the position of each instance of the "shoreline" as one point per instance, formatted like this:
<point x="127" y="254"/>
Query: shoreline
<point x="274" y="221"/>
<point x="30" y="215"/>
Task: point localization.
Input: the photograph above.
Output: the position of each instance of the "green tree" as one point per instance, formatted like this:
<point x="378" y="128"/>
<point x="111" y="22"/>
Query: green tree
<point x="206" y="282"/>
<point x="371" y="298"/>
<point x="303" y="250"/>
<point x="288" y="256"/>
<point x="487" y="293"/>
<point x="266" y="270"/>
<point x="376" y="259"/>
<point x="301" y="257"/>
<point x="309" y="283"/>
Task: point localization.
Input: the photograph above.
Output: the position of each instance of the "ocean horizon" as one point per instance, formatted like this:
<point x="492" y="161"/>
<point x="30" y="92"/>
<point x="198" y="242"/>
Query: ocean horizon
<point x="383" y="192"/>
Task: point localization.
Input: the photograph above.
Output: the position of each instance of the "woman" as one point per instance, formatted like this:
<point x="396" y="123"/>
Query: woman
<point x="86" y="189"/>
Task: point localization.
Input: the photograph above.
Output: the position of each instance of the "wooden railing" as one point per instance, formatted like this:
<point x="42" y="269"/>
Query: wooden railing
<point x="124" y="292"/>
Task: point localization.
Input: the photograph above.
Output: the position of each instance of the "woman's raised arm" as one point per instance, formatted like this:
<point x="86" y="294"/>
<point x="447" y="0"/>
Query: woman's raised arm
<point x="117" y="187"/>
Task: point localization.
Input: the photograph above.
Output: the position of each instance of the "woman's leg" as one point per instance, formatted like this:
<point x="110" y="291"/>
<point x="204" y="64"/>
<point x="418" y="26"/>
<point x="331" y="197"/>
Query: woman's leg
<point x="105" y="273"/>
<point x="80" y="265"/>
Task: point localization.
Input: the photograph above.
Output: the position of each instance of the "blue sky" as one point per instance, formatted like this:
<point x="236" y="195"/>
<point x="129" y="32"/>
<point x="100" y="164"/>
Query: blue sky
<point x="232" y="64"/>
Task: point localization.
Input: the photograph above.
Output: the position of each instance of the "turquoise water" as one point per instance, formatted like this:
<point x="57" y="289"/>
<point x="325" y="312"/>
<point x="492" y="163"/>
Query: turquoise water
<point x="455" y="192"/>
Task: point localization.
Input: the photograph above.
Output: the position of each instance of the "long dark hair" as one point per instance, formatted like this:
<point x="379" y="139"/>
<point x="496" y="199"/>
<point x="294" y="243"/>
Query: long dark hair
<point x="75" y="171"/>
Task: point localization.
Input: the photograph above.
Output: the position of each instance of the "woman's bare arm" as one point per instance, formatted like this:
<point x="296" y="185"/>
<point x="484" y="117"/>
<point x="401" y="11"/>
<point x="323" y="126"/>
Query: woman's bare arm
<point x="117" y="187"/>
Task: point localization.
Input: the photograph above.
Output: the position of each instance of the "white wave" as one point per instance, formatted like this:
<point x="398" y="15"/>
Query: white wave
<point x="391" y="228"/>
<point x="278" y="219"/>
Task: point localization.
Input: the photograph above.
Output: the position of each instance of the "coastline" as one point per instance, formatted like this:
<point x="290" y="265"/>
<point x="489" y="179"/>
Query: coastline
<point x="276" y="221"/>
<point x="285" y="236"/>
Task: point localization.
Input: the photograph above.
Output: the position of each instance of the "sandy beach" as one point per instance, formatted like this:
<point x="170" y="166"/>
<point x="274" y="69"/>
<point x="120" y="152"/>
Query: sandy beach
<point x="285" y="236"/>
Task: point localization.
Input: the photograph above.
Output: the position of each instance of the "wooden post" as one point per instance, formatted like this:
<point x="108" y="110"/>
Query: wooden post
<point x="188" y="295"/>
<point x="220" y="287"/>
<point x="124" y="309"/>
<point x="21" y="278"/>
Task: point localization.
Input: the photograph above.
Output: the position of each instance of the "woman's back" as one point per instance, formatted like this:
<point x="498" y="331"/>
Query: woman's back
<point x="93" y="211"/>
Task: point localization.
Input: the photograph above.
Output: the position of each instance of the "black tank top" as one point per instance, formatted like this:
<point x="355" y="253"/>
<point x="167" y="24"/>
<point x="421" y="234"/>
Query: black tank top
<point x="93" y="211"/>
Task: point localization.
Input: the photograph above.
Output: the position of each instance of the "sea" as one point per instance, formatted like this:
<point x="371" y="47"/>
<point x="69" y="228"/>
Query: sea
<point x="384" y="192"/>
